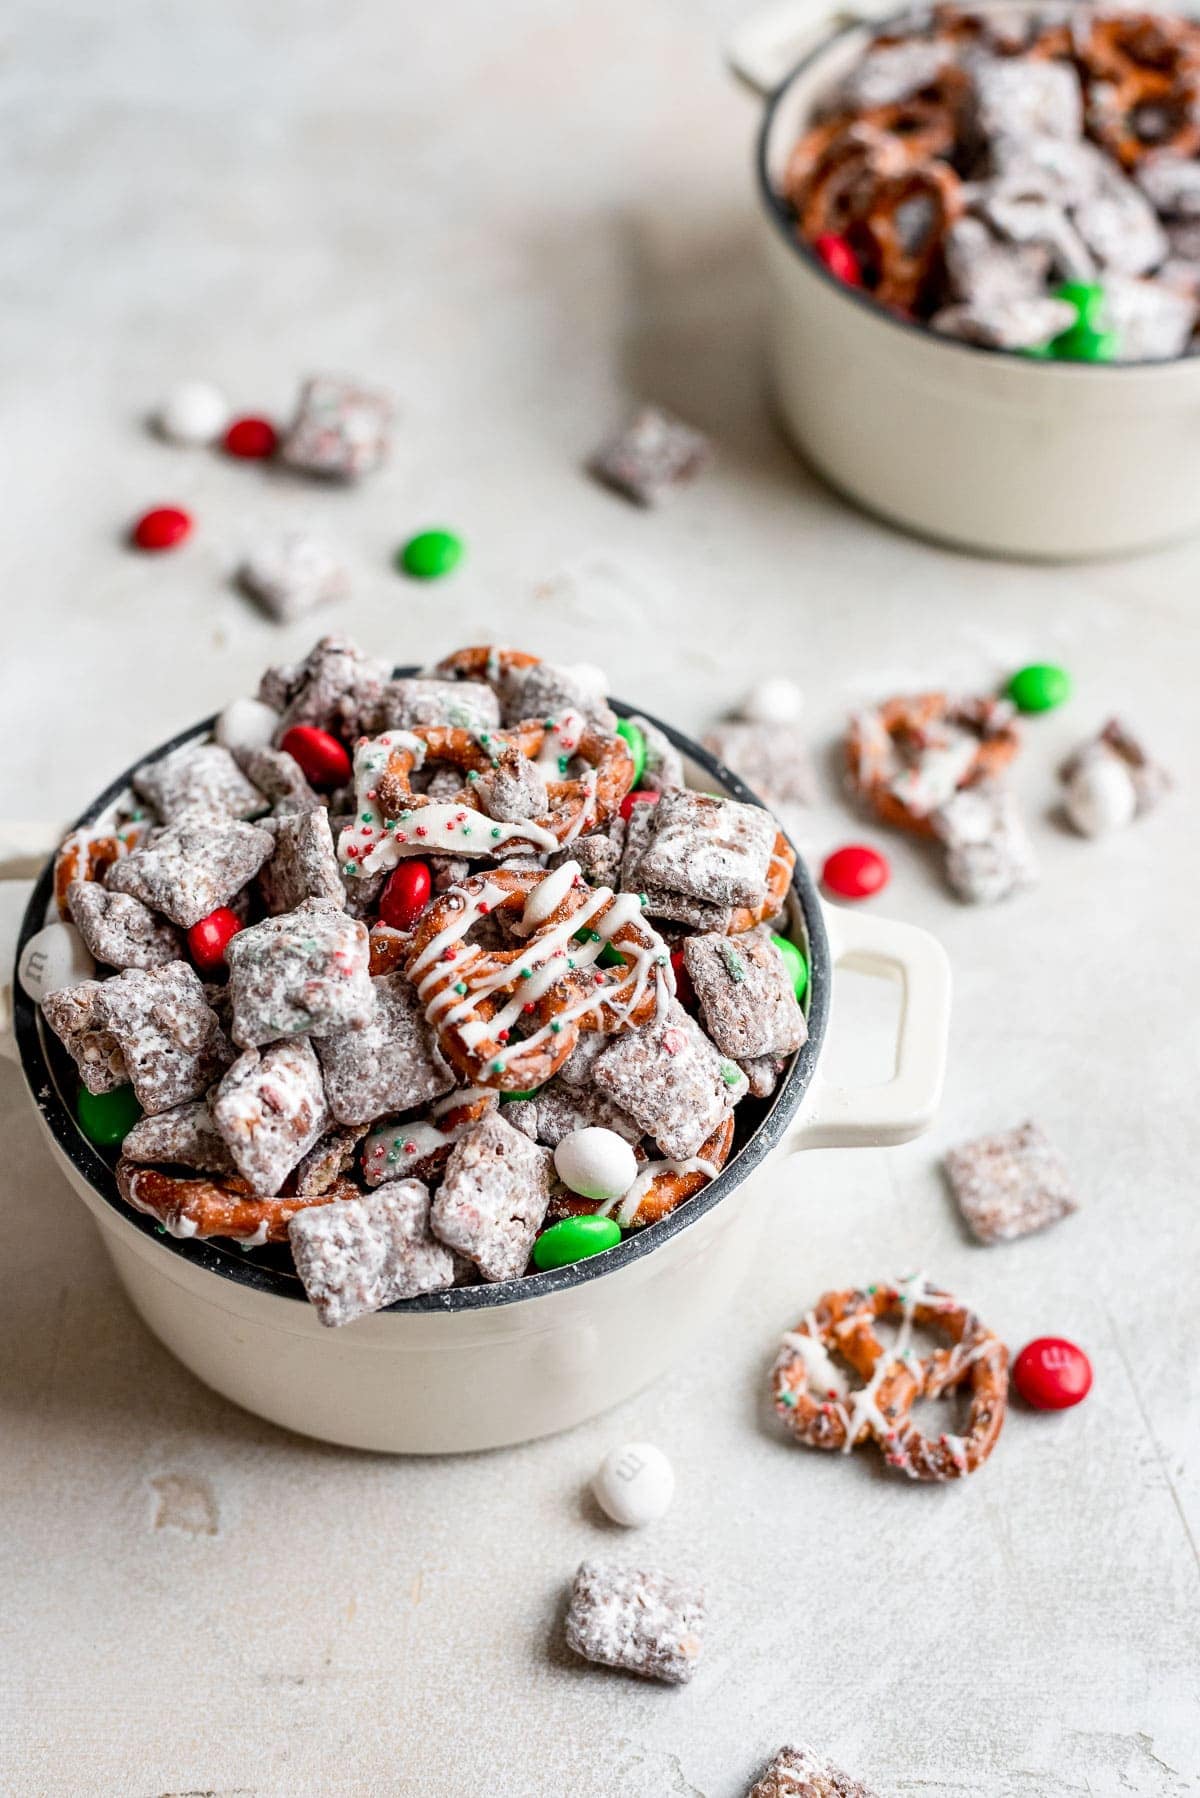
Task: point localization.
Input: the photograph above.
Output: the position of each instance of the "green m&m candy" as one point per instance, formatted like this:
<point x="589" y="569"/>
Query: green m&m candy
<point x="795" y="964"/>
<point x="574" y="1239"/>
<point x="637" y="747"/>
<point x="107" y="1118"/>
<point x="1039" y="687"/>
<point x="1087" y="297"/>
<point x="431" y="554"/>
<point x="512" y="1098"/>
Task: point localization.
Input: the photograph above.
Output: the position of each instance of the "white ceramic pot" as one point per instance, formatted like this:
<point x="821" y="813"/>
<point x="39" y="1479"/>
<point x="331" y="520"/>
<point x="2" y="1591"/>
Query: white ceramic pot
<point x="1007" y="454"/>
<point x="484" y="1366"/>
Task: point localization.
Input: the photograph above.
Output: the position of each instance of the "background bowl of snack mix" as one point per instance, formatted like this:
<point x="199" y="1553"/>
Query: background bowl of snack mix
<point x="982" y="235"/>
<point x="490" y="1361"/>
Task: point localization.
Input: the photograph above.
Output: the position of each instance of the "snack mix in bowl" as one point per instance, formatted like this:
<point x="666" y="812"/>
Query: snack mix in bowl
<point x="422" y="981"/>
<point x="1018" y="180"/>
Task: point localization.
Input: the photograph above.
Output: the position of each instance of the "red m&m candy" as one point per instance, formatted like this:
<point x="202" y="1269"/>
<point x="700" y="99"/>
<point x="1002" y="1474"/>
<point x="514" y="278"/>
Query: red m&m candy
<point x="685" y="992"/>
<point x="1051" y="1374"/>
<point x="639" y="796"/>
<point x="406" y="895"/>
<point x="855" y="872"/>
<point x="251" y="439"/>
<point x="322" y="758"/>
<point x="209" y="939"/>
<point x="838" y="258"/>
<point x="162" y="528"/>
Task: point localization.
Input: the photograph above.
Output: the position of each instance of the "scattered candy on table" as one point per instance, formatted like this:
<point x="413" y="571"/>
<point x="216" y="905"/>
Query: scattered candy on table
<point x="635" y="740"/>
<point x="634" y="1484"/>
<point x="596" y="1163"/>
<point x="855" y="871"/>
<point x="431" y="554"/>
<point x="107" y="1118"/>
<point x="575" y="1239"/>
<point x="164" y="527"/>
<point x="323" y="759"/>
<point x="341" y="431"/>
<point x="1110" y="780"/>
<point x="1051" y="1374"/>
<point x="209" y="939"/>
<point x="408" y="891"/>
<point x="54" y="957"/>
<point x="193" y="413"/>
<point x="774" y="700"/>
<point x="246" y="724"/>
<point x="251" y="439"/>
<point x="652" y="458"/>
<point x="1040" y="687"/>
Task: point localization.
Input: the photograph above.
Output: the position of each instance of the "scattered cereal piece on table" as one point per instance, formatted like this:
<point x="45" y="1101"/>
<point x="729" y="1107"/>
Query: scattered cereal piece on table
<point x="634" y="1484"/>
<point x="304" y="973"/>
<point x="1051" y="1374"/>
<point x="293" y="575"/>
<point x="653" y="457"/>
<point x="341" y="431"/>
<point x="171" y="1038"/>
<point x="772" y="759"/>
<point x="1010" y="1184"/>
<point x="119" y="930"/>
<point x="493" y="1197"/>
<point x="637" y="1619"/>
<point x="163" y="527"/>
<point x="1094" y="794"/>
<point x="989" y="855"/>
<point x="356" y="1256"/>
<point x="189" y="869"/>
<point x="193" y="413"/>
<point x="54" y="957"/>
<point x="801" y="1772"/>
<point x="270" y="1109"/>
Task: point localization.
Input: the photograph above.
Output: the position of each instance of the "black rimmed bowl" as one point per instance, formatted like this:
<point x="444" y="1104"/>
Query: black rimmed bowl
<point x="1012" y="455"/>
<point x="484" y="1366"/>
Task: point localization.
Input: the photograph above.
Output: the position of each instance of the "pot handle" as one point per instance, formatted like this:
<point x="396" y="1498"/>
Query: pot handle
<point x="24" y="851"/>
<point x="768" y="45"/>
<point x="904" y="1106"/>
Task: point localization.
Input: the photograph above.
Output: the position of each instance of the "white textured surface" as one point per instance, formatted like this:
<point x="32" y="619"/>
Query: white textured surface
<point x="521" y="218"/>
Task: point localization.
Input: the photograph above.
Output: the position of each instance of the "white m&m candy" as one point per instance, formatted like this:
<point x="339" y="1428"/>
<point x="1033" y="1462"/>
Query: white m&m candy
<point x="773" y="701"/>
<point x="53" y="958"/>
<point x="246" y="724"/>
<point x="195" y="412"/>
<point x="634" y="1484"/>
<point x="1100" y="795"/>
<point x="596" y="1163"/>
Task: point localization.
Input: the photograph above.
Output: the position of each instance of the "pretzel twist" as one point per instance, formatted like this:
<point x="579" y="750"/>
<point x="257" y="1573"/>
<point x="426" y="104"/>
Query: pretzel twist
<point x="779" y="879"/>
<point x="575" y="805"/>
<point x="812" y="1397"/>
<point x="188" y="1207"/>
<point x="508" y="1018"/>
<point x="85" y="856"/>
<point x="877" y="737"/>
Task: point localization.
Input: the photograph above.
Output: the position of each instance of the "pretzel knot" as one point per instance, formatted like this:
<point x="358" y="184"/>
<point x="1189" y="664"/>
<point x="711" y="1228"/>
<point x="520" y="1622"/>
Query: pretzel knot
<point x="1145" y="94"/>
<point x="814" y="1398"/>
<point x="508" y="1018"/>
<point x="910" y="755"/>
<point x="188" y="1207"/>
<point x="779" y="880"/>
<point x="659" y="1188"/>
<point x="85" y="856"/>
<point x="393" y="821"/>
